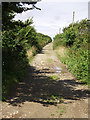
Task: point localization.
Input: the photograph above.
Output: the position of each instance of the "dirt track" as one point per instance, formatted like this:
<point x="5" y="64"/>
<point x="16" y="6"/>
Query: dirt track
<point x="48" y="77"/>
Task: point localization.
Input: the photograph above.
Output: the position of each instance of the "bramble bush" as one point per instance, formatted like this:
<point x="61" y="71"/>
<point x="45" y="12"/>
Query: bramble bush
<point x="76" y="41"/>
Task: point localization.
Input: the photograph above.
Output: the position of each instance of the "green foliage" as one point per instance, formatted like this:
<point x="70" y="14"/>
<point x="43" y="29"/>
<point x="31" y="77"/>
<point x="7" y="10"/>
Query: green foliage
<point x="43" y="40"/>
<point x="15" y="43"/>
<point x="59" y="40"/>
<point x="9" y="10"/>
<point x="54" y="99"/>
<point x="69" y="36"/>
<point x="76" y="40"/>
<point x="54" y="77"/>
<point x="17" y="38"/>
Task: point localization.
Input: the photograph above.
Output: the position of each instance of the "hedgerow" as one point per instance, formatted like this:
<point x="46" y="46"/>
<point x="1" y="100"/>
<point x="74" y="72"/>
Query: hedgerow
<point x="76" y="40"/>
<point x="43" y="40"/>
<point x="15" y="43"/>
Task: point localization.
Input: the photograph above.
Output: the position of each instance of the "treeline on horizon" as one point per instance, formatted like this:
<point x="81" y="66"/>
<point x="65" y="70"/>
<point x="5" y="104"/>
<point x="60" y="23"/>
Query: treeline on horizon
<point x="75" y="39"/>
<point x="17" y="39"/>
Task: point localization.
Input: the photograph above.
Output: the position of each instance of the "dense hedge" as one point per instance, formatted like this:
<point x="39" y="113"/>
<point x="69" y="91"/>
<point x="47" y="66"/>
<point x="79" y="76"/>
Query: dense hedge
<point x="76" y="40"/>
<point x="15" y="43"/>
<point x="43" y="39"/>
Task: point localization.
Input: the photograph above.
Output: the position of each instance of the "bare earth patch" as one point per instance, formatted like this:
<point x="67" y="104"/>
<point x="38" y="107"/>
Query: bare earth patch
<point x="49" y="91"/>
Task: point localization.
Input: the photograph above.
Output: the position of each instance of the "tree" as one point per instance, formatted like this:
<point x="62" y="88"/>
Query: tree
<point x="9" y="10"/>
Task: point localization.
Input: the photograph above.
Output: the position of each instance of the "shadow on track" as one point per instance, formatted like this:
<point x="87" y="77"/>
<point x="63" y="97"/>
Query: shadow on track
<point x="38" y="88"/>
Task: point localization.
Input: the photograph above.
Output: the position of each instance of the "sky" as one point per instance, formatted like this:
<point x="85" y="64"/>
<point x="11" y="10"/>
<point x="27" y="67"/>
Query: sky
<point x="55" y="15"/>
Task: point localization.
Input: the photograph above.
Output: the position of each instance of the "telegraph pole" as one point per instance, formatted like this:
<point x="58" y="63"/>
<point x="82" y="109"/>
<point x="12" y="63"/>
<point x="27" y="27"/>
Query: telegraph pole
<point x="59" y="30"/>
<point x="73" y="18"/>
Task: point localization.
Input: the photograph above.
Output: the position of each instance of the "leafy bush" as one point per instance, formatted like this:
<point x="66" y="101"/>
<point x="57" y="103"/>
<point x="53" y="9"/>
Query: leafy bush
<point x="18" y="38"/>
<point x="76" y="40"/>
<point x="70" y="36"/>
<point x="43" y="39"/>
<point x="15" y="43"/>
<point x="59" y="39"/>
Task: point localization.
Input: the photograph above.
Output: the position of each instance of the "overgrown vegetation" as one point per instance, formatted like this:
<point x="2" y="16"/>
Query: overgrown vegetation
<point x="43" y="40"/>
<point x="75" y="39"/>
<point x="16" y="41"/>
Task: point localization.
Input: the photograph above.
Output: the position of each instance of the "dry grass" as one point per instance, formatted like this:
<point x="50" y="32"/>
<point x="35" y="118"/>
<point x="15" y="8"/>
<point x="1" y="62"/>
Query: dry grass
<point x="29" y="53"/>
<point x="61" y="50"/>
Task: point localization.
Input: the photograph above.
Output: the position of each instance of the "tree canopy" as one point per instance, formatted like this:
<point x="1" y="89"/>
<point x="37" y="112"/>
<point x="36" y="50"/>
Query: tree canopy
<point x="9" y="10"/>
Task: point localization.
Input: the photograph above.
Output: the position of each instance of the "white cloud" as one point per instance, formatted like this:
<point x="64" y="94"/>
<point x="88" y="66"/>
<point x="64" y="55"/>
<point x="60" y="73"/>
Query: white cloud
<point x="55" y="15"/>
